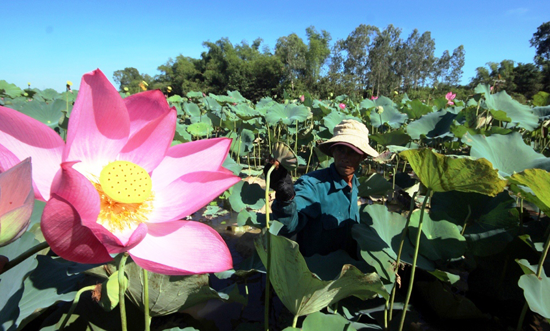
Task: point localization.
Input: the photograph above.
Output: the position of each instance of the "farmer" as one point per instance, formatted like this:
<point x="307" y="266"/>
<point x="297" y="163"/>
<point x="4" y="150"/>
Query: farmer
<point x="321" y="207"/>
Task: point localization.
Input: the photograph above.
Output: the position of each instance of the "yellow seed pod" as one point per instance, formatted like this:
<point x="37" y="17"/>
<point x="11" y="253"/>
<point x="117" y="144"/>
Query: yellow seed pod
<point x="69" y="83"/>
<point x="125" y="182"/>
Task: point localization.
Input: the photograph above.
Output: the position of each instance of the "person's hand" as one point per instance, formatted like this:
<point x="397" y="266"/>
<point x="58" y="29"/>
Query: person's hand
<point x="280" y="181"/>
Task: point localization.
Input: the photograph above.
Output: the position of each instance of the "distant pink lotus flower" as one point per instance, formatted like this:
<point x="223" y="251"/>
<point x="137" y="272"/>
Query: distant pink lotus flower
<point x="373" y="97"/>
<point x="16" y="202"/>
<point x="342" y="106"/>
<point x="491" y="88"/>
<point x="117" y="185"/>
<point x="450" y="96"/>
<point x="302" y="98"/>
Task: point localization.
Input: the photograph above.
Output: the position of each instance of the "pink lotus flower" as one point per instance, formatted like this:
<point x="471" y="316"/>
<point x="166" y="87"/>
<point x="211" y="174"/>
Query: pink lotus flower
<point x="16" y="202"/>
<point x="117" y="185"/>
<point x="373" y="97"/>
<point x="450" y="96"/>
<point x="302" y="98"/>
<point x="342" y="106"/>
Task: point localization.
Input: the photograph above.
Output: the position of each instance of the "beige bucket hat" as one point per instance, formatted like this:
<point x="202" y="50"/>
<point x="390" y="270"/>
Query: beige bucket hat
<point x="350" y="132"/>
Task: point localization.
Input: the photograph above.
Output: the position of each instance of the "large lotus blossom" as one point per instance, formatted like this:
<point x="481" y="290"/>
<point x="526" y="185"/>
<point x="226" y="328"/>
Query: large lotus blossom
<point x="117" y="186"/>
<point x="16" y="202"/>
<point x="450" y="97"/>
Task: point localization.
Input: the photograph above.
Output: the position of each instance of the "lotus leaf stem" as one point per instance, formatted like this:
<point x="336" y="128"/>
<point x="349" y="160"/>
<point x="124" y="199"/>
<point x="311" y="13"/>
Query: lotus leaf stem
<point x="75" y="303"/>
<point x="268" y="266"/>
<point x="296" y="148"/>
<point x="309" y="159"/>
<point x="122" y="290"/>
<point x="295" y="321"/>
<point x="25" y="255"/>
<point x="146" y="299"/>
<point x="398" y="260"/>
<point x="466" y="220"/>
<point x="416" y="249"/>
<point x="539" y="272"/>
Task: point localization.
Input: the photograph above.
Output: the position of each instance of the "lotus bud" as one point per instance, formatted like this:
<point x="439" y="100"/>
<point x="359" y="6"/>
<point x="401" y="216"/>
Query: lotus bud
<point x="379" y="109"/>
<point x="16" y="201"/>
<point x="302" y="98"/>
<point x="342" y="106"/>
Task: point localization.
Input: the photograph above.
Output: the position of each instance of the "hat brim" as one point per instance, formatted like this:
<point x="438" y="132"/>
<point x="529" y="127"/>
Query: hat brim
<point x="347" y="139"/>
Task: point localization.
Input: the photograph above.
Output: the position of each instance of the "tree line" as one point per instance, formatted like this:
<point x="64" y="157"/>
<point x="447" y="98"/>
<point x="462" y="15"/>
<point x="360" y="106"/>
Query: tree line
<point x="368" y="63"/>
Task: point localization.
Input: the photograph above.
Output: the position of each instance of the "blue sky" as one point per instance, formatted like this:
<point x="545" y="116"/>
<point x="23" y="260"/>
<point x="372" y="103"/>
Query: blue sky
<point x="47" y="43"/>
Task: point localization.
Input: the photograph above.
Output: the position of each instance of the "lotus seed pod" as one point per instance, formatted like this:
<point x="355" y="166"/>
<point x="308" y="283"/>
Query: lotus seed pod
<point x="379" y="109"/>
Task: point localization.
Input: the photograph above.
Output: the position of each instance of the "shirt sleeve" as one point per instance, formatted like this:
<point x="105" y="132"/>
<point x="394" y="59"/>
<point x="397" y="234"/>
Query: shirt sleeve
<point x="305" y="206"/>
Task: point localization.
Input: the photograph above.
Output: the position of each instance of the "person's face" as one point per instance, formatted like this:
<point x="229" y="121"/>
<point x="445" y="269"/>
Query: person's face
<point x="346" y="160"/>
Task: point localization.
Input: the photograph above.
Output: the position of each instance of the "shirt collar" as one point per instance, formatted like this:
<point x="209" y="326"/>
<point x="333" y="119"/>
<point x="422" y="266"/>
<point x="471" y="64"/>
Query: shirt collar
<point x="339" y="183"/>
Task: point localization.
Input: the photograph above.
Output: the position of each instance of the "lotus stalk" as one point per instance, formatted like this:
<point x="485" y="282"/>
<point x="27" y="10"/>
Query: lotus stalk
<point x="74" y="304"/>
<point x="122" y="290"/>
<point x="415" y="257"/>
<point x="398" y="260"/>
<point x="268" y="266"/>
<point x="146" y="299"/>
<point x="539" y="272"/>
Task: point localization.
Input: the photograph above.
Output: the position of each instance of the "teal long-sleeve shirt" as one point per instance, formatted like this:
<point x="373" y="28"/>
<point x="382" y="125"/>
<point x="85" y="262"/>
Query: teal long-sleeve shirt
<point x="321" y="214"/>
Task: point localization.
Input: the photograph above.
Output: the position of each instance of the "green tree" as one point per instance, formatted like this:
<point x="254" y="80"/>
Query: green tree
<point x="130" y="78"/>
<point x="541" y="41"/>
<point x="292" y="50"/>
<point x="527" y="78"/>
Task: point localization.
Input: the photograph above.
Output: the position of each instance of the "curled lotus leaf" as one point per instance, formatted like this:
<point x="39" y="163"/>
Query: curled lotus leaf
<point x="285" y="156"/>
<point x="507" y="153"/>
<point x="538" y="181"/>
<point x="442" y="173"/>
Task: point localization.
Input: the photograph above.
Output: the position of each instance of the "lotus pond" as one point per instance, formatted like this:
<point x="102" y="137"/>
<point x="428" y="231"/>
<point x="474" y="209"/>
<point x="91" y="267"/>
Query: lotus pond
<point x="453" y="227"/>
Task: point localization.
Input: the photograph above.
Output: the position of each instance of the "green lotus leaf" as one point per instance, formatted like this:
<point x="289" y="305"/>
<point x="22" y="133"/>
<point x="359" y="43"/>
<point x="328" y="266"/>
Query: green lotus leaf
<point x="379" y="238"/>
<point x="230" y="164"/>
<point x="367" y="104"/>
<point x="508" y="154"/>
<point x="389" y="115"/>
<point x="500" y="115"/>
<point x="236" y="96"/>
<point x="440" y="240"/>
<point x="245" y="195"/>
<point x="212" y="105"/>
<point x="492" y="222"/>
<point x="536" y="291"/>
<point x="10" y="90"/>
<point x="442" y="173"/>
<point x="538" y="181"/>
<point x="432" y="125"/>
<point x="416" y="109"/>
<point x="193" y="94"/>
<point x="519" y="114"/>
<point x="11" y="281"/>
<point x="167" y="294"/>
<point x="325" y="109"/>
<point x="49" y="114"/>
<point x="48" y="94"/>
<point x="397" y="137"/>
<point x="243" y="143"/>
<point x="285" y="155"/>
<point x="200" y="129"/>
<point x="175" y="99"/>
<point x="300" y="291"/>
<point x="244" y="112"/>
<point x="334" y="118"/>
<point x="542" y="112"/>
<point x="181" y="134"/>
<point x="264" y="104"/>
<point x="319" y="321"/>
<point x="375" y="184"/>
<point x="287" y="114"/>
<point x="191" y="109"/>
